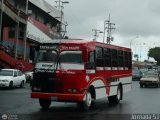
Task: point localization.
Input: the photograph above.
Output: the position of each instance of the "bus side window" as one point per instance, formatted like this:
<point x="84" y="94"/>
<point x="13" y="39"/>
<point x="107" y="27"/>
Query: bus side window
<point x="120" y="58"/>
<point x="107" y="57"/>
<point x="99" y="57"/>
<point x="91" y="57"/>
<point x="91" y="63"/>
<point x="114" y="58"/>
<point x="128" y="60"/>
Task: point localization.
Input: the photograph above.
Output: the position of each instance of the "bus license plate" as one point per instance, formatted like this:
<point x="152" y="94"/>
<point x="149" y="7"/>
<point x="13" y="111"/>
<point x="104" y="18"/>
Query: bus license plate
<point x="54" y="98"/>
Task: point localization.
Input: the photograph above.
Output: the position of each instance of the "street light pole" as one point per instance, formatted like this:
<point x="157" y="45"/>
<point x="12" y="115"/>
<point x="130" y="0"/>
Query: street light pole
<point x="131" y="43"/>
<point x="139" y="46"/>
<point x="132" y="40"/>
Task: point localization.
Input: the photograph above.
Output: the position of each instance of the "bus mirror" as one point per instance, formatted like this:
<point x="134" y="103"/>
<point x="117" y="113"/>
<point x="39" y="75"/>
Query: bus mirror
<point x="32" y="53"/>
<point x="90" y="65"/>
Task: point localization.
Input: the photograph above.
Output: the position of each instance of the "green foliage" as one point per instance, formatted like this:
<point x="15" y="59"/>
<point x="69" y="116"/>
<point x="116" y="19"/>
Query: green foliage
<point x="155" y="53"/>
<point x="136" y="56"/>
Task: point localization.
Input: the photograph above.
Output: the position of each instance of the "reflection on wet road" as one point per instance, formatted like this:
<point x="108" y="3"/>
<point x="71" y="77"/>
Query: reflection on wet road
<point x="16" y="102"/>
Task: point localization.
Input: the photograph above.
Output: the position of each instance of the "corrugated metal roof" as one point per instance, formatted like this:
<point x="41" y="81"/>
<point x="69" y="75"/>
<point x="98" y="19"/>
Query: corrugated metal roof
<point x="46" y="7"/>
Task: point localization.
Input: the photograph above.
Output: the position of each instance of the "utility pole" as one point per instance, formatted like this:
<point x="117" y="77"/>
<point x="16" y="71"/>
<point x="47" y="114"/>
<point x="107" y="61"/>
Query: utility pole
<point x="16" y="35"/>
<point x="132" y="41"/>
<point x="60" y="7"/>
<point x="96" y="31"/>
<point x="1" y="20"/>
<point x="25" y="33"/>
<point x="109" y="27"/>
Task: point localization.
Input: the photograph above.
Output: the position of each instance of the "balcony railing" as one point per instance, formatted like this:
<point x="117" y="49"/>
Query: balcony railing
<point x="15" y="10"/>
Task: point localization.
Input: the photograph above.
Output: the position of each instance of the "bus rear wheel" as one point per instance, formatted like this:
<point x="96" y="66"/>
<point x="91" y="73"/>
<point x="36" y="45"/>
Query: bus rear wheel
<point x="116" y="98"/>
<point x="45" y="103"/>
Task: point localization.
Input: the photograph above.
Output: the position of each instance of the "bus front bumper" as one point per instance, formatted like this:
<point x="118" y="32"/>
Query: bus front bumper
<point x="58" y="97"/>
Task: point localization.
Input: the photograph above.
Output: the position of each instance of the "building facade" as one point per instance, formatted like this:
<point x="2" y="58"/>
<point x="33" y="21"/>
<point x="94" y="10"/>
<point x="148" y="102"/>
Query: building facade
<point x="25" y="23"/>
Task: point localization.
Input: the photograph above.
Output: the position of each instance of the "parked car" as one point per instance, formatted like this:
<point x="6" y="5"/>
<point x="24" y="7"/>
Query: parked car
<point x="11" y="77"/>
<point x="150" y="78"/>
<point x="136" y="74"/>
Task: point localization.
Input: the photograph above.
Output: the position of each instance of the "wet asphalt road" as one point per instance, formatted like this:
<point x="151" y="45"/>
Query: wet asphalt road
<point x="17" y="104"/>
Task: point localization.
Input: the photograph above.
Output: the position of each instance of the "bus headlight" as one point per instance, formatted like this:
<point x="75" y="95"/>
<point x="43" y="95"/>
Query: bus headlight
<point x="35" y="89"/>
<point x="72" y="90"/>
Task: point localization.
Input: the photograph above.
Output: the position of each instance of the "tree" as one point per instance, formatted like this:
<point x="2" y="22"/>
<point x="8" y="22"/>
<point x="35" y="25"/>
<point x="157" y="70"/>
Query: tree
<point x="136" y="56"/>
<point x="155" y="53"/>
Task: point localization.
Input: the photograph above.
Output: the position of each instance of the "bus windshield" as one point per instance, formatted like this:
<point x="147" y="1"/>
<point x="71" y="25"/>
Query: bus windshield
<point x="71" y="57"/>
<point x="71" y="60"/>
<point x="67" y="60"/>
<point x="47" y="56"/>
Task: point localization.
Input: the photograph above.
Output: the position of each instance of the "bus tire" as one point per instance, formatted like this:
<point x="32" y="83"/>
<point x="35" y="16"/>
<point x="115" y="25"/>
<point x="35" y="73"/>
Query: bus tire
<point x="45" y="103"/>
<point x="87" y="103"/>
<point x="116" y="98"/>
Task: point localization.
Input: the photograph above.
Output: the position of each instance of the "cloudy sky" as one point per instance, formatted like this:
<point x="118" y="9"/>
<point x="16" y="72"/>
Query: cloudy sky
<point x="132" y="18"/>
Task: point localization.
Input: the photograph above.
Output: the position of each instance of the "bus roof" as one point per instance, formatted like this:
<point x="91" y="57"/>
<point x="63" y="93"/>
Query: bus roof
<point x="86" y="43"/>
<point x="73" y="41"/>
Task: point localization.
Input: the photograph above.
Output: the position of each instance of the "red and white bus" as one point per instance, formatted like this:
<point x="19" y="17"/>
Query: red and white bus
<point x="81" y="71"/>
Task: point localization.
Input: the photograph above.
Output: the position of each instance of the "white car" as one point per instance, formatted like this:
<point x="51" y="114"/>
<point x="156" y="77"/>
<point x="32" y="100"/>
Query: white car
<point x="11" y="77"/>
<point x="150" y="78"/>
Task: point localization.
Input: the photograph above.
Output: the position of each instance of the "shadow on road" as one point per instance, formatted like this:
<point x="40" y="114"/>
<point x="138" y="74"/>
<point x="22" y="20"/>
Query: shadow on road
<point x="101" y="110"/>
<point x="7" y="88"/>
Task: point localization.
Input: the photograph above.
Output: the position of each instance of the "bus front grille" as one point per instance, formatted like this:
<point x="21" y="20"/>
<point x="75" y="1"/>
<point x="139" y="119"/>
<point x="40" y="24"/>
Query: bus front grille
<point x="47" y="83"/>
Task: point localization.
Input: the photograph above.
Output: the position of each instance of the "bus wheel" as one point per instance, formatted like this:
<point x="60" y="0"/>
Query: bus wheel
<point x="116" y="98"/>
<point x="85" y="105"/>
<point x="45" y="103"/>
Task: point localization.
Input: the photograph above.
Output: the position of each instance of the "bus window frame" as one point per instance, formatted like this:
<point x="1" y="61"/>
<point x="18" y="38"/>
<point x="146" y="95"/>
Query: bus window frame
<point x="91" y="64"/>
<point x="99" y="61"/>
<point x="114" y="57"/>
<point x="107" y="57"/>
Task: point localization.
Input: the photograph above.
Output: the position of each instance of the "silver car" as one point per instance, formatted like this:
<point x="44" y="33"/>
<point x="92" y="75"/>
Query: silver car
<point x="150" y="78"/>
